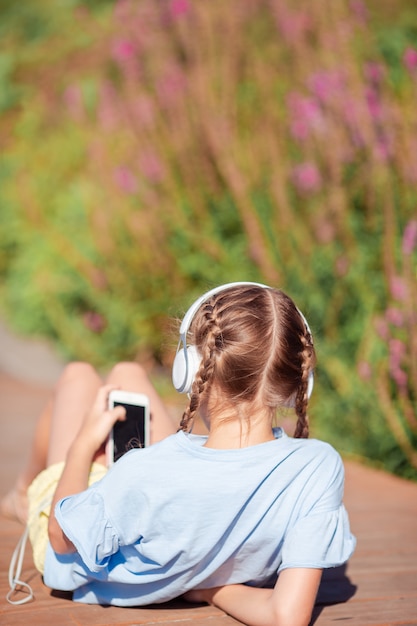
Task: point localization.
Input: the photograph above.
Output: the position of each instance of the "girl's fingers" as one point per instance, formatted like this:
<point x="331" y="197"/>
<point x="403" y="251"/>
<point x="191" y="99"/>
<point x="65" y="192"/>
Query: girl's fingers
<point x="102" y="398"/>
<point x="118" y="413"/>
<point x="100" y="420"/>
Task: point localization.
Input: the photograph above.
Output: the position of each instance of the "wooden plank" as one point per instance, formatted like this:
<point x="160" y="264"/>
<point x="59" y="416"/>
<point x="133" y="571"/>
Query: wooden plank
<point x="381" y="612"/>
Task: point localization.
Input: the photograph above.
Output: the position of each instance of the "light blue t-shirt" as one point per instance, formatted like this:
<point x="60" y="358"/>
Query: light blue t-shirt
<point x="179" y="516"/>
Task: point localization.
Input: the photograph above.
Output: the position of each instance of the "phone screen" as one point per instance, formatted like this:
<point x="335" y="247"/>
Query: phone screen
<point x="130" y="433"/>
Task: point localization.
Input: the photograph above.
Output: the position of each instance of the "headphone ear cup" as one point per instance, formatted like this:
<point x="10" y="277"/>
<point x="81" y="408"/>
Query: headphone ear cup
<point x="310" y="384"/>
<point x="179" y="370"/>
<point x="184" y="369"/>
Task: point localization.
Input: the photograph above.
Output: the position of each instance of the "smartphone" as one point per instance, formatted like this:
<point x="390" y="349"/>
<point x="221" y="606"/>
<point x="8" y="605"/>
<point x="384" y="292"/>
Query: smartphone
<point x="132" y="432"/>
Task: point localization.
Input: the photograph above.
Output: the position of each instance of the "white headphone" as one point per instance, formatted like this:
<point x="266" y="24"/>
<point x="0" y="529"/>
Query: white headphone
<point x="187" y="359"/>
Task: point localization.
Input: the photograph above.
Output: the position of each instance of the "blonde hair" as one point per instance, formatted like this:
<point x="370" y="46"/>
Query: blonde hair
<point x="254" y="345"/>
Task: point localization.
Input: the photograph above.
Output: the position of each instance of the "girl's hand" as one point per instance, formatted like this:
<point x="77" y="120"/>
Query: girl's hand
<point x="99" y="421"/>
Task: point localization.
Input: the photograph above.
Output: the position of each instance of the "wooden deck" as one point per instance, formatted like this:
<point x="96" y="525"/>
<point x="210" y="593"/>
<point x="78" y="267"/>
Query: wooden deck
<point x="377" y="588"/>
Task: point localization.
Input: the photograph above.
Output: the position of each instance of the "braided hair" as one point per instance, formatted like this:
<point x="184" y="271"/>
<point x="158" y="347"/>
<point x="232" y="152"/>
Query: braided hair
<point x="255" y="347"/>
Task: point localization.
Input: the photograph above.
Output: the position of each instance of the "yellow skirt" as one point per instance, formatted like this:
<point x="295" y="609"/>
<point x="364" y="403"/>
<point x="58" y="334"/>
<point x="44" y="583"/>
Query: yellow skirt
<point x="40" y="494"/>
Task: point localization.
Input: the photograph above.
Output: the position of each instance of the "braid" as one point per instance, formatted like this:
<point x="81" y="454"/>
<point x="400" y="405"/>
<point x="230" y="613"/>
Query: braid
<point x="301" y="400"/>
<point x="210" y="330"/>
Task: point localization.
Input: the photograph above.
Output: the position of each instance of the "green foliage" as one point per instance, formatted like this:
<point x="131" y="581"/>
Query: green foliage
<point x="152" y="150"/>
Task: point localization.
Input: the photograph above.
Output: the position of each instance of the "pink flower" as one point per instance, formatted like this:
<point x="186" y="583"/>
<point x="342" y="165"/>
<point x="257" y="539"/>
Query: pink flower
<point x="383" y="148"/>
<point x="152" y="167"/>
<point x="399" y="377"/>
<point x="410" y="59"/>
<point x="326" y="84"/>
<point x="123" y="10"/>
<point x="306" y="177"/>
<point x="307" y="116"/>
<point x="397" y="351"/>
<point x="126" y="54"/>
<point x="374" y="103"/>
<point x="360" y="10"/>
<point x="410" y="237"/>
<point x="125" y="179"/>
<point x="299" y="129"/>
<point x="179" y="8"/>
<point x="394" y="316"/>
<point x="364" y="370"/>
<point x="382" y="329"/>
<point x="94" y="321"/>
<point x="171" y="85"/>
<point x="292" y="24"/>
<point x="122" y="50"/>
<point x="375" y="73"/>
<point x="342" y="265"/>
<point x="398" y="288"/>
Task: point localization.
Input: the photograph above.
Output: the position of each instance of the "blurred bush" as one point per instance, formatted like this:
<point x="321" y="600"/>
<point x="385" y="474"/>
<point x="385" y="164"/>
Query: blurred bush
<point x="153" y="150"/>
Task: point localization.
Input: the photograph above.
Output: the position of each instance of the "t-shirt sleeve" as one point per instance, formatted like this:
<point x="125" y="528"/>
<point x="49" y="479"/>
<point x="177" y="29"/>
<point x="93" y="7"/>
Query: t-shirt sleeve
<point x="84" y="521"/>
<point x="321" y="537"/>
<point x="103" y="518"/>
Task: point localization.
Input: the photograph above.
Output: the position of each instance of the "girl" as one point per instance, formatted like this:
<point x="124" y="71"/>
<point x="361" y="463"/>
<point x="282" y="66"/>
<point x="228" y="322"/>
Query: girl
<point x="245" y="518"/>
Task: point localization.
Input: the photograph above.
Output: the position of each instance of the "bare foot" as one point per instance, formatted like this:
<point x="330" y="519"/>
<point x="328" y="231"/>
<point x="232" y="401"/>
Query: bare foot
<point x="14" y="505"/>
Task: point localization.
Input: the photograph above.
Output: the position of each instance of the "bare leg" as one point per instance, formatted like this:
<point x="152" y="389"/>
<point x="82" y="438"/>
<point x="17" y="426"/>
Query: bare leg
<point x="55" y="429"/>
<point x="38" y="453"/>
<point x="132" y="377"/>
<point x="75" y="393"/>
